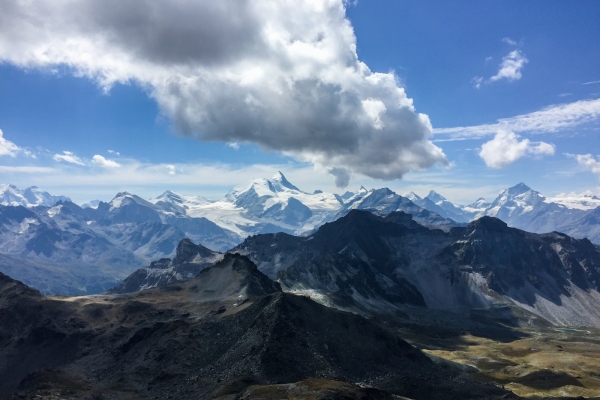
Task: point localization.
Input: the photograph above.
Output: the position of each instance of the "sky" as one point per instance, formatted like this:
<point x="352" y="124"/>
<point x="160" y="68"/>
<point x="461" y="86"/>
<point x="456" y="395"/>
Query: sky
<point x="467" y="98"/>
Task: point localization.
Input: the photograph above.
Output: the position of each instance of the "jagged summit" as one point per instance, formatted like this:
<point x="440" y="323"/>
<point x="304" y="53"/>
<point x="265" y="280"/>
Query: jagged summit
<point x="480" y="202"/>
<point x="189" y="260"/>
<point x="179" y="200"/>
<point x="489" y="223"/>
<point x="187" y="251"/>
<point x="412" y="196"/>
<point x="518" y="189"/>
<point x="279" y="179"/>
<point x="435" y="197"/>
<point x="234" y="277"/>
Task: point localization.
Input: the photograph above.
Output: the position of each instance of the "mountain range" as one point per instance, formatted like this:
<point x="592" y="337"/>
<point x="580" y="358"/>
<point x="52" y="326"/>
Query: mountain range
<point x="61" y="248"/>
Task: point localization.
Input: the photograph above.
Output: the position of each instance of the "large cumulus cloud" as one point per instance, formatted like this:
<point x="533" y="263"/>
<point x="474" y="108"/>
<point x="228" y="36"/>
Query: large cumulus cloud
<point x="281" y="74"/>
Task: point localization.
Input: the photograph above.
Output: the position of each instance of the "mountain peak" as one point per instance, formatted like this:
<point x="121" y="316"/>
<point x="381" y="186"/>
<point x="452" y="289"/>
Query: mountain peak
<point x="187" y="251"/>
<point x="519" y="189"/>
<point x="278" y="176"/>
<point x="435" y="196"/>
<point x="233" y="277"/>
<point x="412" y="196"/>
<point x="489" y="223"/>
<point x="281" y="179"/>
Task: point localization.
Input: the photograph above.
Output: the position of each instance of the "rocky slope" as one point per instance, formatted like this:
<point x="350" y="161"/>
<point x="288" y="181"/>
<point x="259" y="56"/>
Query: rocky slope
<point x="213" y="336"/>
<point x="189" y="260"/>
<point x="366" y="263"/>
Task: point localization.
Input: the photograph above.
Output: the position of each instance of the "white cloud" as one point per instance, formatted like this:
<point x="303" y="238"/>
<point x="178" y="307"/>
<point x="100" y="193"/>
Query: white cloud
<point x="549" y="119"/>
<point x="505" y="148"/>
<point x="69" y="157"/>
<point x="171" y="169"/>
<point x="284" y="75"/>
<point x="476" y="81"/>
<point x="234" y="145"/>
<point x="511" y="66"/>
<point x="509" y="41"/>
<point x="590" y="83"/>
<point x="8" y="148"/>
<point x="375" y="109"/>
<point x="114" y="152"/>
<point x="103" y="162"/>
<point x="588" y="162"/>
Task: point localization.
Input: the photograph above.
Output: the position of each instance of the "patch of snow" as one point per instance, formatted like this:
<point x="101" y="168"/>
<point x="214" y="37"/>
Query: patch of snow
<point x="25" y="224"/>
<point x="52" y="211"/>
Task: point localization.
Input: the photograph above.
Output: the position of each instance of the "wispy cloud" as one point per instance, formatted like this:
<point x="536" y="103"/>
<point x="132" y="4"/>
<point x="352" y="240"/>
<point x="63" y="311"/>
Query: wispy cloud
<point x="590" y="83"/>
<point x="8" y="148"/>
<point x="508" y="40"/>
<point x="171" y="169"/>
<point x="68" y="157"/>
<point x="104" y="162"/>
<point x="511" y="66"/>
<point x="476" y="81"/>
<point x="549" y="119"/>
<point x="588" y="162"/>
<point x="506" y="148"/>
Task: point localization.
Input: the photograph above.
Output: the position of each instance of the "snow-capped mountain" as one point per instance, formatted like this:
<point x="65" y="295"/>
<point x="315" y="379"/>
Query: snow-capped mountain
<point x="10" y="195"/>
<point x="177" y="202"/>
<point x="384" y="201"/>
<point x="585" y="201"/>
<point x="478" y="207"/>
<point x="512" y="203"/>
<point x="524" y="208"/>
<point x="91" y="204"/>
<point x="268" y="205"/>
<point x="439" y="204"/>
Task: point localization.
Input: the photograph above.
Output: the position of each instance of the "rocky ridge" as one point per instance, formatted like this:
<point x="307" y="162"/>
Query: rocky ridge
<point x="197" y="339"/>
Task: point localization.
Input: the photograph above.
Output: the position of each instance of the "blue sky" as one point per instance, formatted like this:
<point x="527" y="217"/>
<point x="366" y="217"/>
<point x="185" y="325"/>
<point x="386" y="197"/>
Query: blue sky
<point x="511" y="90"/>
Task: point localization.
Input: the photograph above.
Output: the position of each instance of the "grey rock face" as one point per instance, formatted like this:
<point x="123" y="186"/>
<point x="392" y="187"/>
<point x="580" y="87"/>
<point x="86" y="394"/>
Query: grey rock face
<point x="189" y="261"/>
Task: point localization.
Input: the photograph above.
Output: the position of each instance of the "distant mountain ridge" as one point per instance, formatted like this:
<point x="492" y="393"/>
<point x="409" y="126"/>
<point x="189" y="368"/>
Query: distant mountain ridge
<point x="110" y="240"/>
<point x="10" y="195"/>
